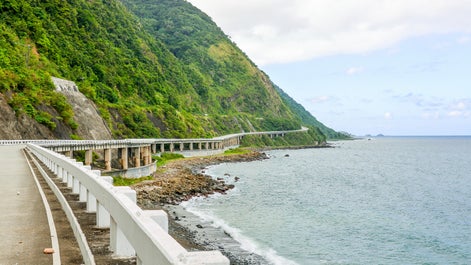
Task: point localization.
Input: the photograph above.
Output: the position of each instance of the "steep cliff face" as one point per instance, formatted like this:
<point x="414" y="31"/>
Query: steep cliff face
<point x="21" y="126"/>
<point x="90" y="124"/>
<point x="17" y="127"/>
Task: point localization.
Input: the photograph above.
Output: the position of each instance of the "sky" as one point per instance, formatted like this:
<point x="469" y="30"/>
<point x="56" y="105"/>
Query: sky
<point x="399" y="67"/>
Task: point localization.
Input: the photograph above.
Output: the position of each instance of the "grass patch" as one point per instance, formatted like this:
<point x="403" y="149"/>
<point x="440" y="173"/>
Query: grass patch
<point x="236" y="151"/>
<point x="164" y="157"/>
<point x="120" y="181"/>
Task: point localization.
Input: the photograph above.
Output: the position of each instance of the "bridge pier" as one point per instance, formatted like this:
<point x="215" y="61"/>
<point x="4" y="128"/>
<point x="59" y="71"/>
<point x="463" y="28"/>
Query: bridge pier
<point x="107" y="157"/>
<point x="153" y="148"/>
<point x="69" y="153"/>
<point x="136" y="156"/>
<point x="88" y="157"/>
<point x="123" y="157"/>
<point x="149" y="155"/>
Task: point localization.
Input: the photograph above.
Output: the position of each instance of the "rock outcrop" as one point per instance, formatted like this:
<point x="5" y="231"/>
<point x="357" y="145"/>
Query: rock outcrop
<point x="15" y="127"/>
<point x="86" y="114"/>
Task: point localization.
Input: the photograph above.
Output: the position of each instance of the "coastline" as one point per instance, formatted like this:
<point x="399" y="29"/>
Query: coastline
<point x="179" y="181"/>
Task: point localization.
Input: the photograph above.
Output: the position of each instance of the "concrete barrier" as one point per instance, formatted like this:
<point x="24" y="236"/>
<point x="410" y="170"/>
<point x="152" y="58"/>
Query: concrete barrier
<point x="133" y="231"/>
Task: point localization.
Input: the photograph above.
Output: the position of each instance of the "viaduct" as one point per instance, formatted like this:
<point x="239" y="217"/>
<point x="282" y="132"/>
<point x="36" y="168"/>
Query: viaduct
<point x="133" y="232"/>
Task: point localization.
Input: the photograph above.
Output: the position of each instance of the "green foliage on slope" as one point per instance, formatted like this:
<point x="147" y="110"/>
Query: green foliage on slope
<point x="155" y="68"/>
<point x="222" y="75"/>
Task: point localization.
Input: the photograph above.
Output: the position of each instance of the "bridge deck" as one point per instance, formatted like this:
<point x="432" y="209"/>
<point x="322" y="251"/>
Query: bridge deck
<point x="24" y="230"/>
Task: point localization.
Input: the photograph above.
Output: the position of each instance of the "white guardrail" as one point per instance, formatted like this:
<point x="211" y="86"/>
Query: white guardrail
<point x="133" y="231"/>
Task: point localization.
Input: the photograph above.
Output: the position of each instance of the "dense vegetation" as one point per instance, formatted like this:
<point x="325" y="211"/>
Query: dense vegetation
<point x="157" y="68"/>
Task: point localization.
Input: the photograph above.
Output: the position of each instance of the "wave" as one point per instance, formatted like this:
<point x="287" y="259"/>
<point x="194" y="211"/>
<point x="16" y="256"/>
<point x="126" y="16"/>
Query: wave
<point x="246" y="243"/>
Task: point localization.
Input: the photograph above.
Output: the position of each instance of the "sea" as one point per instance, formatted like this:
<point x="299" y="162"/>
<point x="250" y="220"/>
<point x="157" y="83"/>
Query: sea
<point x="384" y="200"/>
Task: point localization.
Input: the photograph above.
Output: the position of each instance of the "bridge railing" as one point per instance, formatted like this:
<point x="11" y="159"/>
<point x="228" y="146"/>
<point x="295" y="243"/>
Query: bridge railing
<point x="133" y="231"/>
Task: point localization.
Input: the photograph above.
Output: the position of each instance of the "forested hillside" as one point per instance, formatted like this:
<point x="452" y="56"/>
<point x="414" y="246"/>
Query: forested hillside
<point x="156" y="68"/>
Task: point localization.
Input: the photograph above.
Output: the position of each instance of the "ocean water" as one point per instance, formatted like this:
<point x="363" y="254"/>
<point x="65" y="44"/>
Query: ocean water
<point x="391" y="200"/>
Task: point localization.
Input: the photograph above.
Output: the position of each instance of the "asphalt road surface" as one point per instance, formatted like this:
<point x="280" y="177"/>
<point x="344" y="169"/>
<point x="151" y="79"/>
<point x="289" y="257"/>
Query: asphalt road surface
<point x="24" y="230"/>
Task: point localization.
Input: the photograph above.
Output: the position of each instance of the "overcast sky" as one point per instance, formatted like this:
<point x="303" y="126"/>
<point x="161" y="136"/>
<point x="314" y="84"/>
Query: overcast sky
<point x="362" y="66"/>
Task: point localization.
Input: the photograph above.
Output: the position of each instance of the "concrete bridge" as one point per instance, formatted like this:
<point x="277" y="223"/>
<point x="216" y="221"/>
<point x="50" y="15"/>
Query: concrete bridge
<point x="26" y="225"/>
<point x="135" y="155"/>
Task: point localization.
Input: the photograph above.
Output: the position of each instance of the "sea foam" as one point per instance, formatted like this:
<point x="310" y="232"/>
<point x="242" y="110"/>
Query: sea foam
<point x="246" y="243"/>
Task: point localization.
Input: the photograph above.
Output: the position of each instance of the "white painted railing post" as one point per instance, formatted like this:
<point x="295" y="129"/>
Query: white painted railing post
<point x="103" y="219"/>
<point x="59" y="172"/>
<point x="91" y="199"/>
<point x="158" y="216"/>
<point x="70" y="180"/>
<point x="119" y="244"/>
<point x="65" y="175"/>
<point x="83" y="188"/>
<point x="76" y="186"/>
<point x="74" y="182"/>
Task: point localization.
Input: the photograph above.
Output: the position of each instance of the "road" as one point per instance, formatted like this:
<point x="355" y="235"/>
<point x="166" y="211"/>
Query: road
<point x="24" y="230"/>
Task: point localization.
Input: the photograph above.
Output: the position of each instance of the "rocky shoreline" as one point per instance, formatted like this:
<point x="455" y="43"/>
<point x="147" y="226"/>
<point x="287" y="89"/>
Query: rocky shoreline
<point x="182" y="179"/>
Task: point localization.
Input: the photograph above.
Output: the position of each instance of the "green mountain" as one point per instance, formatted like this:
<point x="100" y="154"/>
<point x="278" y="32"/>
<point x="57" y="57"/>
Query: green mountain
<point x="157" y="68"/>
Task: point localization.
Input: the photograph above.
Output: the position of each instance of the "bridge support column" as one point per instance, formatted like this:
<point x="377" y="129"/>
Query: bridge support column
<point x="119" y="244"/>
<point x="149" y="155"/>
<point x="191" y="146"/>
<point x="162" y="147"/>
<point x="182" y="146"/>
<point x="69" y="154"/>
<point x="88" y="157"/>
<point x="137" y="157"/>
<point x="108" y="159"/>
<point x="145" y="154"/>
<point x="172" y="146"/>
<point x="199" y="146"/>
<point x="123" y="153"/>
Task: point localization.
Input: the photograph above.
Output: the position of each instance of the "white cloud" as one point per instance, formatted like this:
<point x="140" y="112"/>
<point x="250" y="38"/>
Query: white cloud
<point x="388" y="115"/>
<point x="460" y="108"/>
<point x="460" y="105"/>
<point x="464" y="40"/>
<point x="278" y="31"/>
<point x="431" y="115"/>
<point x="454" y="113"/>
<point x="354" y="70"/>
<point x="319" y="99"/>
